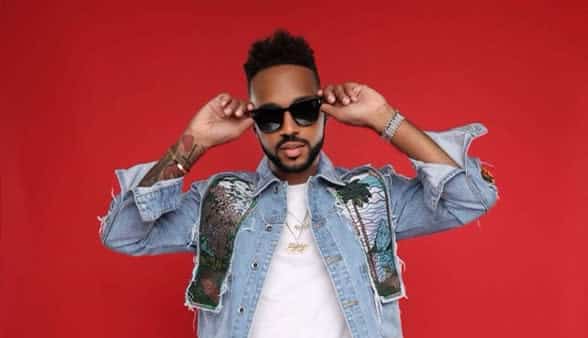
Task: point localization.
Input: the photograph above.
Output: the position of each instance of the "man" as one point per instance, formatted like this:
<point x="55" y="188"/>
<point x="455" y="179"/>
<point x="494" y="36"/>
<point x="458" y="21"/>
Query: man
<point x="298" y="248"/>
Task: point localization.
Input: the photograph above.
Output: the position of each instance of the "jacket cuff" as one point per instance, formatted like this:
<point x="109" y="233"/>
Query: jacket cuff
<point x="151" y="201"/>
<point x="455" y="142"/>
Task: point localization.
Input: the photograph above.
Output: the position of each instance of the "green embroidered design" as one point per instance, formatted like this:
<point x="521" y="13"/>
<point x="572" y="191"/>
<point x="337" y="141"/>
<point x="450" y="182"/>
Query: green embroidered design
<point x="364" y="202"/>
<point x="225" y="205"/>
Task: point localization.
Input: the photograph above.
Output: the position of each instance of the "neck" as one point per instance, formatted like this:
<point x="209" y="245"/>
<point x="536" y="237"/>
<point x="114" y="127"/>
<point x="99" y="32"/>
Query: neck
<point x="297" y="177"/>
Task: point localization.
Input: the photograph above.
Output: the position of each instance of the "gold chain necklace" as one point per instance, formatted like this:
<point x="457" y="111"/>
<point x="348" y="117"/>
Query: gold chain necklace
<point x="297" y="247"/>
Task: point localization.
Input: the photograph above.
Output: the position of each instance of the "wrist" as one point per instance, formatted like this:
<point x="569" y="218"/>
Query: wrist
<point x="381" y="118"/>
<point x="195" y="137"/>
<point x="187" y="150"/>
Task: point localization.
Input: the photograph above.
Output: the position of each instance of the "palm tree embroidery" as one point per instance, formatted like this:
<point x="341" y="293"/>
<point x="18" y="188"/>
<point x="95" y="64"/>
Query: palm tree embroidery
<point x="358" y="193"/>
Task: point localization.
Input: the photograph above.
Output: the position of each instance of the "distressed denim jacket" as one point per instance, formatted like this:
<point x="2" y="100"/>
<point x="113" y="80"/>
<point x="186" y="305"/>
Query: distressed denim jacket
<point x="232" y="221"/>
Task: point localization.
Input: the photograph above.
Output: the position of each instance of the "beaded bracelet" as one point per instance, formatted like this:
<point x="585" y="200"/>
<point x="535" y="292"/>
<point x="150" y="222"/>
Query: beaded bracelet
<point x="392" y="126"/>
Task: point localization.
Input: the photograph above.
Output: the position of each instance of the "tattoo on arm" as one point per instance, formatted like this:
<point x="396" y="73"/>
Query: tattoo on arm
<point x="184" y="152"/>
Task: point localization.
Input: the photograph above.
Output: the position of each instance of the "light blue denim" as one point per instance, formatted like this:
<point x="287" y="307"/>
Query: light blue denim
<point x="164" y="219"/>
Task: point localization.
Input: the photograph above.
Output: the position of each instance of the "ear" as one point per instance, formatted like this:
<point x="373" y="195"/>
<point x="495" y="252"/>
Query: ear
<point x="324" y="121"/>
<point x="325" y="116"/>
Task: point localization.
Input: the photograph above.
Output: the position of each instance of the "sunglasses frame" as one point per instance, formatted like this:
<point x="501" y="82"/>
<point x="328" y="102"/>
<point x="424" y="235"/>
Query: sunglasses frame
<point x="282" y="111"/>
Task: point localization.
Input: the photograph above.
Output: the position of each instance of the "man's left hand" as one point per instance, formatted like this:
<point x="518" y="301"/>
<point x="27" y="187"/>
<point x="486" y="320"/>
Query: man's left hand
<point x="356" y="104"/>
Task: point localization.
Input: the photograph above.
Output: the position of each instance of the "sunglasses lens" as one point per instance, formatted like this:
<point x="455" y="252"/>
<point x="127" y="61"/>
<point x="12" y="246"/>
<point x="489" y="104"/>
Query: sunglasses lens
<point x="268" y="120"/>
<point x="306" y="112"/>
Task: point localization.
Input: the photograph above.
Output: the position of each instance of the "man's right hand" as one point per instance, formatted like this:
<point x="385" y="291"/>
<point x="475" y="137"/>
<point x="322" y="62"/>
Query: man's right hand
<point x="221" y="120"/>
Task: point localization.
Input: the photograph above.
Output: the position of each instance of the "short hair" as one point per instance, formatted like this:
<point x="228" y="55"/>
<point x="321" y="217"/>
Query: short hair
<point x="279" y="48"/>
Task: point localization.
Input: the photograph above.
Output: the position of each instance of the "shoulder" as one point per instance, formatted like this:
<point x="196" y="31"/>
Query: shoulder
<point x="243" y="180"/>
<point x="348" y="173"/>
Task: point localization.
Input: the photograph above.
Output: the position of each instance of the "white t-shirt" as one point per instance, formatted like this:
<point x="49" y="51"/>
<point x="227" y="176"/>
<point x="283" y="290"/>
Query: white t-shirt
<point x="298" y="299"/>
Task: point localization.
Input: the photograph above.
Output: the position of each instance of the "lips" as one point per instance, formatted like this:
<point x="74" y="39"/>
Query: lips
<point x="292" y="149"/>
<point x="292" y="145"/>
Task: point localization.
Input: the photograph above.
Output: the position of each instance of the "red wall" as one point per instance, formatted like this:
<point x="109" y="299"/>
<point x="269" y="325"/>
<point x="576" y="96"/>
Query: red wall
<point x="107" y="84"/>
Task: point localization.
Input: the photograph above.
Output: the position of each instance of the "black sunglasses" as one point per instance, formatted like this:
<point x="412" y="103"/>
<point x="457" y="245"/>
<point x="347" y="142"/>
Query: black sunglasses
<point x="305" y="112"/>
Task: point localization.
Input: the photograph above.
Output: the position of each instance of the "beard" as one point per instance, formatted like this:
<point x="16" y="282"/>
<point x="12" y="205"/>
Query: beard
<point x="312" y="154"/>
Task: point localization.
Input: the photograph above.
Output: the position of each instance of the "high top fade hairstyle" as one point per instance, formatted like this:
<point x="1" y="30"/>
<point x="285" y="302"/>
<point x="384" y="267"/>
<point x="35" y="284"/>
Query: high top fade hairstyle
<point x="279" y="48"/>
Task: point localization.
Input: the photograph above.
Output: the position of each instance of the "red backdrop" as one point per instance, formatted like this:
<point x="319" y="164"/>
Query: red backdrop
<point x="104" y="85"/>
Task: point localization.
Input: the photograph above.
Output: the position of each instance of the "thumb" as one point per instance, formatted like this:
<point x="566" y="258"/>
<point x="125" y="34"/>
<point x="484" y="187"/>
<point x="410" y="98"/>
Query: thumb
<point x="330" y="109"/>
<point x="245" y="123"/>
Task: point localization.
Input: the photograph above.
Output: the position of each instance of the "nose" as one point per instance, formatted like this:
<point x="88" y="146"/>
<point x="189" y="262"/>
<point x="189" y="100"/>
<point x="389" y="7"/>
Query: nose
<point x="289" y="126"/>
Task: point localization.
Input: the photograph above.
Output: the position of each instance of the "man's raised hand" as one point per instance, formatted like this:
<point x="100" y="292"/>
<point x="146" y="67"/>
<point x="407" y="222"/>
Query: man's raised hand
<point x="355" y="104"/>
<point x="221" y="120"/>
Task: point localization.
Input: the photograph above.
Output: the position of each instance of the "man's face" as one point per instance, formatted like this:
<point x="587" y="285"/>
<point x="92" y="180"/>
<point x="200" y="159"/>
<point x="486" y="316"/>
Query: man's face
<point x="281" y="85"/>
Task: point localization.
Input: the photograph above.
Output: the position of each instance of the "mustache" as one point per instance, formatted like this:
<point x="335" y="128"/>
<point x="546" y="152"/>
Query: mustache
<point x="291" y="138"/>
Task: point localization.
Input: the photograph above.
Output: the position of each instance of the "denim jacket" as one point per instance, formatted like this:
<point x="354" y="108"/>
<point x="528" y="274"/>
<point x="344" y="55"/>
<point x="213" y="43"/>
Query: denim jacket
<point x="232" y="221"/>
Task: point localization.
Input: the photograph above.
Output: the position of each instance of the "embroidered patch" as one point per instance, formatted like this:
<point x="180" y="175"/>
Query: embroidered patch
<point x="364" y="202"/>
<point x="487" y="175"/>
<point x="225" y="205"/>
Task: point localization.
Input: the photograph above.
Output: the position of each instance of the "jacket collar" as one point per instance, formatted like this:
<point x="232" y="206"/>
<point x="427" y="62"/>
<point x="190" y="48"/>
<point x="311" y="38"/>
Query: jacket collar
<point x="325" y="170"/>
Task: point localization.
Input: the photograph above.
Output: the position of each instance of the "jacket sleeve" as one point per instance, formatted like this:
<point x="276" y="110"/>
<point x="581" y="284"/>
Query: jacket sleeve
<point x="150" y="220"/>
<point x="442" y="196"/>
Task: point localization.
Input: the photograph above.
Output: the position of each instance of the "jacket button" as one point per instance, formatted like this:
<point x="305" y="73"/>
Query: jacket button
<point x="268" y="227"/>
<point x="241" y="309"/>
<point x="254" y="266"/>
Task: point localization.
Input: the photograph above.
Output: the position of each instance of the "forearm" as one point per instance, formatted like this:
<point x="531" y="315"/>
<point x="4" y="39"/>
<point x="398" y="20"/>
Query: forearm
<point x="412" y="141"/>
<point x="176" y="161"/>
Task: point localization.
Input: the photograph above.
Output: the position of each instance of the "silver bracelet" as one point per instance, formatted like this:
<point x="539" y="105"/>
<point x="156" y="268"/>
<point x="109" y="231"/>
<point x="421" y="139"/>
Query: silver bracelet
<point x="392" y="126"/>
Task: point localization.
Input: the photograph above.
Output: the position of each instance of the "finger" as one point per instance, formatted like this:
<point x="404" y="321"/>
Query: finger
<point x="350" y="91"/>
<point x="248" y="108"/>
<point x="357" y="89"/>
<point x="231" y="107"/>
<point x="226" y="105"/>
<point x="341" y="96"/>
<point x="319" y="92"/>
<point x="238" y="109"/>
<point x="219" y="102"/>
<point x="329" y="95"/>
<point x="223" y="99"/>
<point x="241" y="109"/>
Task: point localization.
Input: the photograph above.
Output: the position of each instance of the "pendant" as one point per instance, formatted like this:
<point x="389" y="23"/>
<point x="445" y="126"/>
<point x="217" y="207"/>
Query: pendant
<point x="301" y="227"/>
<point x="296" y="247"/>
